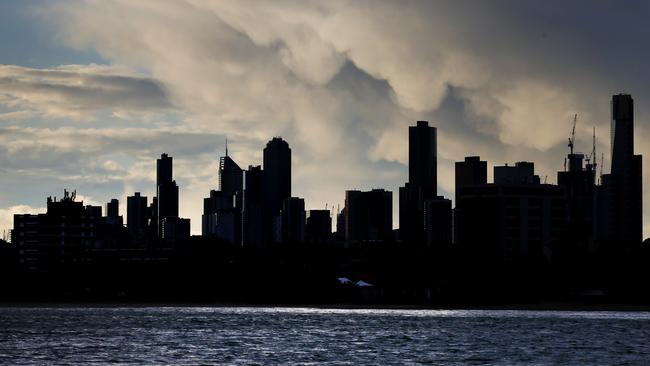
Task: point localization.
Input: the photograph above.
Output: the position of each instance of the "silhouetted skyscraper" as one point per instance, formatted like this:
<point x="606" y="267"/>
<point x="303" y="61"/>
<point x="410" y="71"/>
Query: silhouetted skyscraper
<point x="167" y="191"/>
<point x="579" y="186"/>
<point x="113" y="208"/>
<point x="512" y="220"/>
<point x="252" y="219"/>
<point x="369" y="215"/>
<point x="50" y="241"/>
<point x="175" y="228"/>
<point x="422" y="184"/>
<point x="622" y="134"/>
<point x="277" y="182"/>
<point x="423" y="163"/>
<point x="293" y="220"/>
<point x="319" y="226"/>
<point x="621" y="212"/>
<point x="523" y="172"/>
<point x="471" y="171"/>
<point x="230" y="176"/>
<point x="136" y="215"/>
<point x="222" y="210"/>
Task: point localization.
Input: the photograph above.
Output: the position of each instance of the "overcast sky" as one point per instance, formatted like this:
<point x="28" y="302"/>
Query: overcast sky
<point x="92" y="92"/>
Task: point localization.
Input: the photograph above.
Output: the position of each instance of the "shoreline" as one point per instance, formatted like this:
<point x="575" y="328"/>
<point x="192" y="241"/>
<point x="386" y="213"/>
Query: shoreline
<point x="554" y="306"/>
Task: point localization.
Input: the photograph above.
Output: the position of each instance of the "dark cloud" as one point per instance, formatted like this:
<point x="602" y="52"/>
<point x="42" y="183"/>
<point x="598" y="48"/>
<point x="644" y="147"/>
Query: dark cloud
<point x="340" y="80"/>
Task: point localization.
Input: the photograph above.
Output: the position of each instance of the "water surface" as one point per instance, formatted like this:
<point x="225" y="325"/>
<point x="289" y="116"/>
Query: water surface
<point x="244" y="336"/>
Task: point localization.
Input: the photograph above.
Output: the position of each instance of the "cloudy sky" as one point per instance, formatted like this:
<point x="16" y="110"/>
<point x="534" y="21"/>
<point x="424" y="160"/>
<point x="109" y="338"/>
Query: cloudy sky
<point x="92" y="92"/>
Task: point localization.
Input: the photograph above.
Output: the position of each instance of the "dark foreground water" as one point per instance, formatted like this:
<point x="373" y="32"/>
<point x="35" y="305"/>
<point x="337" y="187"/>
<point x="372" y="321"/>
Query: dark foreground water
<point x="319" y="336"/>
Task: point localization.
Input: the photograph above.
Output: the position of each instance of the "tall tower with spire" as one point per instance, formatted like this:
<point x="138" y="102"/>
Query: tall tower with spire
<point x="222" y="209"/>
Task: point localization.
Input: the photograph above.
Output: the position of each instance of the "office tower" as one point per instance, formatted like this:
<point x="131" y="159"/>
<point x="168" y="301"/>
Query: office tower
<point x="277" y="183"/>
<point x="152" y="218"/>
<point x="175" y="228"/>
<point x="294" y="219"/>
<point x="319" y="226"/>
<point x="222" y="216"/>
<point x="93" y="211"/>
<point x="222" y="210"/>
<point x="113" y="208"/>
<point x="513" y="219"/>
<point x="438" y="222"/>
<point x="113" y="213"/>
<point x="622" y="134"/>
<point x="252" y="235"/>
<point x="422" y="184"/>
<point x="523" y="172"/>
<point x="368" y="215"/>
<point x="167" y="191"/>
<point x="230" y="175"/>
<point x="340" y="225"/>
<point x="51" y="241"/>
<point x="471" y="171"/>
<point x="136" y="215"/>
<point x="621" y="216"/>
<point x="423" y="162"/>
<point x="578" y="181"/>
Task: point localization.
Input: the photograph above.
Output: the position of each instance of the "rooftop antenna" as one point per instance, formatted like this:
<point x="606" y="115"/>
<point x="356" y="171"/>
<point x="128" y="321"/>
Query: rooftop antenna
<point x="602" y="165"/>
<point x="226" y="146"/>
<point x="572" y="139"/>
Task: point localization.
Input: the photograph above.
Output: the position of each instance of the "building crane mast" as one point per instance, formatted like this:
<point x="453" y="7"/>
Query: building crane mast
<point x="572" y="139"/>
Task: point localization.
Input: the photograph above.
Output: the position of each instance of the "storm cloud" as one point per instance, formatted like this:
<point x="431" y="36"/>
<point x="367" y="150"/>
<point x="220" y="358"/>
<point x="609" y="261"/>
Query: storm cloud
<point x="340" y="80"/>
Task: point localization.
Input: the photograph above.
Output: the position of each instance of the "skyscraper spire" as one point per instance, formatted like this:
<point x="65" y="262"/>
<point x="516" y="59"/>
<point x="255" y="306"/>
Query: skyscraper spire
<point x="226" y="146"/>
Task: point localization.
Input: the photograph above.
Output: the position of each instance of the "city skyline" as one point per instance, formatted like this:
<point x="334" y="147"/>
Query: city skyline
<point x="423" y="171"/>
<point x="77" y="111"/>
<point x="255" y="208"/>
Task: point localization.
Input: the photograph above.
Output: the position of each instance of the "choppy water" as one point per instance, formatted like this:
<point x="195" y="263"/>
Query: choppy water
<point x="316" y="336"/>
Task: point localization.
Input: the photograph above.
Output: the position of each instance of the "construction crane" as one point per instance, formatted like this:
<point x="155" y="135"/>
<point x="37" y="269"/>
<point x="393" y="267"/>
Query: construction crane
<point x="592" y="155"/>
<point x="572" y="139"/>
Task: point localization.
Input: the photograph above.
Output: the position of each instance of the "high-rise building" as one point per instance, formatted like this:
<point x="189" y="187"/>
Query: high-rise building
<point x="513" y="219"/>
<point x="167" y="191"/>
<point x="113" y="208"/>
<point x="422" y="184"/>
<point x="293" y="220"/>
<point x="52" y="241"/>
<point x="319" y="226"/>
<point x="113" y="213"/>
<point x="423" y="163"/>
<point x="368" y="215"/>
<point x="230" y="175"/>
<point x="136" y="215"/>
<point x="620" y="216"/>
<point x="471" y="171"/>
<point x="222" y="210"/>
<point x="277" y="184"/>
<point x="578" y="182"/>
<point x="523" y="172"/>
<point x="438" y="222"/>
<point x="252" y="218"/>
<point x="175" y="228"/>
